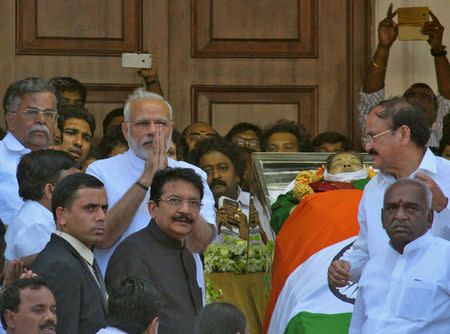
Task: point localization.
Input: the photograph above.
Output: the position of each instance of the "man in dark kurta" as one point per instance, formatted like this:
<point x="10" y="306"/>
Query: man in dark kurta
<point x="158" y="252"/>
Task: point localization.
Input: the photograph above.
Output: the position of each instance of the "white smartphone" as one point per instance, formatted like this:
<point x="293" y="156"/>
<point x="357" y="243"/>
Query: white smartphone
<point x="223" y="200"/>
<point x="137" y="60"/>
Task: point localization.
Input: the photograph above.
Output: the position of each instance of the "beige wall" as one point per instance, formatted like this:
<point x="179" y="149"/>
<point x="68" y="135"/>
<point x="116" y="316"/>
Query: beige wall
<point x="411" y="61"/>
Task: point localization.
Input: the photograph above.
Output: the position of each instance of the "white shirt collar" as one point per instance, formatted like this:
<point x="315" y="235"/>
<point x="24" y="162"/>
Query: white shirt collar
<point x="42" y="209"/>
<point x="111" y="330"/>
<point x="81" y="248"/>
<point x="13" y="144"/>
<point x="418" y="243"/>
<point x="428" y="165"/>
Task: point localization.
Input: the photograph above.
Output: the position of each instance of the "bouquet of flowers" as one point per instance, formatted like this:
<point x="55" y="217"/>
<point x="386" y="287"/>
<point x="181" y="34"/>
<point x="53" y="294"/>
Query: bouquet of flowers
<point x="233" y="256"/>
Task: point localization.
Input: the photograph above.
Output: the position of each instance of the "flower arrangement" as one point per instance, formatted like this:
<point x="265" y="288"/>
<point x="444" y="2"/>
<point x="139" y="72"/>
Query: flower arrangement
<point x="233" y="256"/>
<point x="305" y="178"/>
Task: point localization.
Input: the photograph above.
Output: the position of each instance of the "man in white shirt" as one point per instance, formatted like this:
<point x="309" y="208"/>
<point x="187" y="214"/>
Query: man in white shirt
<point x="396" y="135"/>
<point x="37" y="174"/>
<point x="127" y="177"/>
<point x="372" y="92"/>
<point x="224" y="165"/>
<point x="67" y="263"/>
<point x="406" y="289"/>
<point x="30" y="113"/>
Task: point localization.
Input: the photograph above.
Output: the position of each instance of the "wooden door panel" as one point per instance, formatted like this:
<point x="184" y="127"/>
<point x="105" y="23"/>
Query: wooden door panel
<point x="54" y="37"/>
<point x="226" y="55"/>
<point x="81" y="27"/>
<point x="254" y="28"/>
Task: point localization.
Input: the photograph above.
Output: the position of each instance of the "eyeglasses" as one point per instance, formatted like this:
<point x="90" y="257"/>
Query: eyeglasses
<point x="241" y="141"/>
<point x="35" y="113"/>
<point x="368" y="139"/>
<point x="176" y="202"/>
<point x="145" y="123"/>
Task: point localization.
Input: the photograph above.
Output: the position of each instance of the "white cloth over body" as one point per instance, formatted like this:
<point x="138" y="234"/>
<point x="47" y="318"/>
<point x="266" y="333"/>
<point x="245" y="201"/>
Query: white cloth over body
<point x="372" y="239"/>
<point x="30" y="231"/>
<point x="405" y="293"/>
<point x="11" y="151"/>
<point x="118" y="174"/>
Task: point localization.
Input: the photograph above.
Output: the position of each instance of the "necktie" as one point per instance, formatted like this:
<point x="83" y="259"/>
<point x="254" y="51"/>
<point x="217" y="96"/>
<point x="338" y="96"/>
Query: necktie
<point x="101" y="282"/>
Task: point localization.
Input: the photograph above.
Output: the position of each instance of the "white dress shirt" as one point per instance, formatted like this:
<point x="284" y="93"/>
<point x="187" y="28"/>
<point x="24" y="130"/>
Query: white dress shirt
<point x="11" y="150"/>
<point x="368" y="101"/>
<point x="405" y="293"/>
<point x="119" y="173"/>
<point x="30" y="231"/>
<point x="372" y="239"/>
<point x="110" y="330"/>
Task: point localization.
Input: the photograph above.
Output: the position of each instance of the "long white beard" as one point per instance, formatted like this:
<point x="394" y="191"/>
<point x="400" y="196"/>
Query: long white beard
<point x="139" y="149"/>
<point x="346" y="177"/>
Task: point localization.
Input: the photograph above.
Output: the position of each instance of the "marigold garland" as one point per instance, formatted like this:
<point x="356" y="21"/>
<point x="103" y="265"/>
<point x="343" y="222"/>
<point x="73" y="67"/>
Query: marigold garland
<point x="305" y="177"/>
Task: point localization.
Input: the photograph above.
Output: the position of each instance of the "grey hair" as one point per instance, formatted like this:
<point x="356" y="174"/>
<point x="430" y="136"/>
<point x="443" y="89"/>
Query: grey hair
<point x="141" y="93"/>
<point x="16" y="91"/>
<point x="414" y="182"/>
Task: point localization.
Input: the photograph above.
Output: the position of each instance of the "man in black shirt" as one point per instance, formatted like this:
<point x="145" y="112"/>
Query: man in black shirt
<point x="158" y="252"/>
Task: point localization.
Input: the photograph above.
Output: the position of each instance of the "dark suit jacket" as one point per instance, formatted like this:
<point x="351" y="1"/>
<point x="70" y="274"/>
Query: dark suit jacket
<point x="152" y="254"/>
<point x="79" y="305"/>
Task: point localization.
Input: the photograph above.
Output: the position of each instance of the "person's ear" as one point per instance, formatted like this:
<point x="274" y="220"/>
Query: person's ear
<point x="152" y="327"/>
<point x="125" y="130"/>
<point x="9" y="120"/>
<point x="151" y="207"/>
<point x="430" y="218"/>
<point x="383" y="219"/>
<point x="405" y="134"/>
<point x="48" y="190"/>
<point x="10" y="318"/>
<point x="61" y="219"/>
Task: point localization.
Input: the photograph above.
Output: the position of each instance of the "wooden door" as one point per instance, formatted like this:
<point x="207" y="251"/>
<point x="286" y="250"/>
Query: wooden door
<point x="83" y="39"/>
<point x="220" y="61"/>
<point x="261" y="60"/>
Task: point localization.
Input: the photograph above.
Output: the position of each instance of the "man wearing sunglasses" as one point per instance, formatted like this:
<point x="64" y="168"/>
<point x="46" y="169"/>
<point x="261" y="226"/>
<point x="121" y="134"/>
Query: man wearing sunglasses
<point x="30" y="113"/>
<point x="158" y="252"/>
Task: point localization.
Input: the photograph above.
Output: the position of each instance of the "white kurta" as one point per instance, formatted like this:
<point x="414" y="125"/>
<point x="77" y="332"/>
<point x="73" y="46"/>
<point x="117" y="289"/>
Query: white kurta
<point x="30" y="231"/>
<point x="372" y="239"/>
<point x="11" y="151"/>
<point x="405" y="293"/>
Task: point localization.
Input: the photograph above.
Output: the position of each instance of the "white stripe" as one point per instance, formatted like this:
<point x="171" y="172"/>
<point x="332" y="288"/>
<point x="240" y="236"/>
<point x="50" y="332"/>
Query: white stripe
<point x="306" y="289"/>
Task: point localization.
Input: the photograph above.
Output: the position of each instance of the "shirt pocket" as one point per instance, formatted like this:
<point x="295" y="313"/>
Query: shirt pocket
<point x="416" y="300"/>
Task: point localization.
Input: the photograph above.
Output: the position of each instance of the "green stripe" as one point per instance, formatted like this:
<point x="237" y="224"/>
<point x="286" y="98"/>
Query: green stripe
<point x="317" y="323"/>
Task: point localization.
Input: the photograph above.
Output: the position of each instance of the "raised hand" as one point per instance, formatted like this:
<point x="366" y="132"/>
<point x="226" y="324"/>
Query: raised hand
<point x="435" y="31"/>
<point x="157" y="156"/>
<point x="388" y="29"/>
<point x="439" y="200"/>
<point x="229" y="216"/>
<point x="149" y="74"/>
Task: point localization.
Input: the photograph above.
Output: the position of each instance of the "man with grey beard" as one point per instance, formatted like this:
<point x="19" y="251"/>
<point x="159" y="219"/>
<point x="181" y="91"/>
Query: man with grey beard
<point x="127" y="177"/>
<point x="30" y="113"/>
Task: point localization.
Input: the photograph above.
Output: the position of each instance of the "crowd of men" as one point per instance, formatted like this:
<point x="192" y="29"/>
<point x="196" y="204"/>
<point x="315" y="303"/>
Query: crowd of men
<point x="117" y="249"/>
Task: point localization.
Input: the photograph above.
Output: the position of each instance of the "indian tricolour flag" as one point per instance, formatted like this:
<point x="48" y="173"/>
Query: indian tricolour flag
<point x="321" y="229"/>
